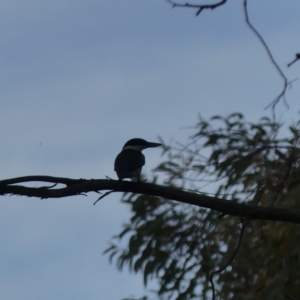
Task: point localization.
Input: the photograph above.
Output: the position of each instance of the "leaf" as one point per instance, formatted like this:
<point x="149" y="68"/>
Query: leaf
<point x="148" y="271"/>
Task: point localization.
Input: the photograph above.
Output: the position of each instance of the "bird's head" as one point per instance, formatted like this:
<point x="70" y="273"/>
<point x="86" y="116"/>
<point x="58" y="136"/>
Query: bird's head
<point x="139" y="144"/>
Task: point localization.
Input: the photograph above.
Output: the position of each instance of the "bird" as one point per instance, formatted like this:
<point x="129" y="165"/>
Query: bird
<point x="129" y="162"/>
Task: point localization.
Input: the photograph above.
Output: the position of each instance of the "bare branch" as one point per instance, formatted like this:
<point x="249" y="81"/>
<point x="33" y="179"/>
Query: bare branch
<point x="104" y="195"/>
<point x="80" y="186"/>
<point x="199" y="7"/>
<point x="285" y="81"/>
<point x="212" y="274"/>
<point x="296" y="58"/>
<point x="40" y="178"/>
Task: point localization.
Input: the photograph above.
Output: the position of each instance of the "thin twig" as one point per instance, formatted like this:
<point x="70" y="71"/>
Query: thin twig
<point x="199" y="7"/>
<point x="285" y="81"/>
<point x="296" y="58"/>
<point x="104" y="195"/>
<point x="48" y="187"/>
<point x="212" y="274"/>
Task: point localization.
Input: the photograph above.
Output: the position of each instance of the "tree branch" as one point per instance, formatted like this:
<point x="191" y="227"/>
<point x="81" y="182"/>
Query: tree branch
<point x="296" y="58"/>
<point x="40" y="178"/>
<point x="269" y="53"/>
<point x="231" y="259"/>
<point x="80" y="186"/>
<point x="199" y="7"/>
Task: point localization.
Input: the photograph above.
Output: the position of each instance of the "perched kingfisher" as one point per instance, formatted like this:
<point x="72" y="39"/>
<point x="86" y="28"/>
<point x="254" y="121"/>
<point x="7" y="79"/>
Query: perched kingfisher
<point x="129" y="162"/>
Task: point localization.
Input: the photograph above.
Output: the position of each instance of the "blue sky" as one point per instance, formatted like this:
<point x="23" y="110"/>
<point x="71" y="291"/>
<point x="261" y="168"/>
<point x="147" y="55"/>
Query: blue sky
<point x="80" y="78"/>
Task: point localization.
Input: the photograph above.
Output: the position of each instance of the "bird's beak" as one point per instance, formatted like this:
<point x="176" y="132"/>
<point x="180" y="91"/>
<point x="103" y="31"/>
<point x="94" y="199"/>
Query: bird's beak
<point x="151" y="145"/>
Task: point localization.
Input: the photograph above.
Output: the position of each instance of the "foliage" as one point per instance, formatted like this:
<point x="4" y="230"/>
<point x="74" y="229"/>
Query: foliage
<point x="180" y="245"/>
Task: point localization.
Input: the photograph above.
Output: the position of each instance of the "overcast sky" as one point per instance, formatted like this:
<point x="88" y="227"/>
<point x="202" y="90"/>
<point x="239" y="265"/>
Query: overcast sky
<point x="80" y="78"/>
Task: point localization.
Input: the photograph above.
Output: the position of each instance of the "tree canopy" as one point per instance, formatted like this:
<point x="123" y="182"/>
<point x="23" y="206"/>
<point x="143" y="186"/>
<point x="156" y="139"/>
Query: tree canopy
<point x="195" y="252"/>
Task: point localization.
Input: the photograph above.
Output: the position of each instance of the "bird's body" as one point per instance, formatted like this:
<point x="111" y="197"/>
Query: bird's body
<point x="129" y="162"/>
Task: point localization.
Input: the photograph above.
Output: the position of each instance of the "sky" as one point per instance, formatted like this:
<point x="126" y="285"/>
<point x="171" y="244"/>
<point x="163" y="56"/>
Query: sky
<point x="80" y="78"/>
